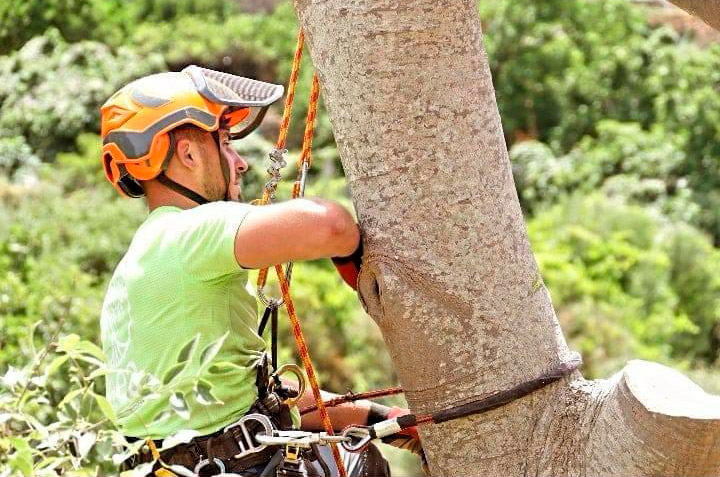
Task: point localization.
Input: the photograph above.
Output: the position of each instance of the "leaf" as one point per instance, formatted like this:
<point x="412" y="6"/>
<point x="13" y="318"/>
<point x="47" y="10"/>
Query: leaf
<point x="180" y="437"/>
<point x="68" y="343"/>
<point x="105" y="407"/>
<point x="85" y="442"/>
<point x="90" y="348"/>
<point x="22" y="458"/>
<point x="14" y="377"/>
<point x="179" y="405"/>
<point x="55" y="364"/>
<point x="203" y="393"/>
<point x="140" y="471"/>
<point x="33" y="329"/>
<point x="188" y="350"/>
<point x="212" y="350"/>
<point x="174" y="371"/>
<point x="70" y="396"/>
<point x="100" y="372"/>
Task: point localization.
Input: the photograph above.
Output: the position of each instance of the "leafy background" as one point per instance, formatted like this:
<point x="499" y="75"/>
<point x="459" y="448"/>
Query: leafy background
<point x="613" y="125"/>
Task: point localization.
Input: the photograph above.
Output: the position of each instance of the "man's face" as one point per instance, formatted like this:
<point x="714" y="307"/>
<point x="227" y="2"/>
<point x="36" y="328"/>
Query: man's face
<point x="214" y="180"/>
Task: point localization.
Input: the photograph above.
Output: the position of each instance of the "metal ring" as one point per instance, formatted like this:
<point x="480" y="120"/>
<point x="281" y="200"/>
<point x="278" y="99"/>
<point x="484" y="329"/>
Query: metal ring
<point x="205" y="462"/>
<point x="293" y="369"/>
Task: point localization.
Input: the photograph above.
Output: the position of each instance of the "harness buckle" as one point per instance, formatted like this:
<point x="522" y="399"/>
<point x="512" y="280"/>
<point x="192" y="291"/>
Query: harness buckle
<point x="292" y="453"/>
<point x="245" y="430"/>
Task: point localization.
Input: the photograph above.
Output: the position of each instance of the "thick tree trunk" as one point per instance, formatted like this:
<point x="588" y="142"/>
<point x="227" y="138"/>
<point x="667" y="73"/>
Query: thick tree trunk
<point x="708" y="10"/>
<point x="448" y="273"/>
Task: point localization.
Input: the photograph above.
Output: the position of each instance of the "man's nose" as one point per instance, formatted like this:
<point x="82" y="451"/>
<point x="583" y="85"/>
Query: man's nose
<point x="241" y="165"/>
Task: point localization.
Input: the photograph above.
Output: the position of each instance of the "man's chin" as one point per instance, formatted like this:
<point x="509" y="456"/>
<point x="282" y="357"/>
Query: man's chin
<point x="234" y="195"/>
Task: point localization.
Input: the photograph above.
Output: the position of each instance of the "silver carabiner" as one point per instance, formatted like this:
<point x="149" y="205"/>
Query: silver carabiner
<point x="205" y="462"/>
<point x="351" y="434"/>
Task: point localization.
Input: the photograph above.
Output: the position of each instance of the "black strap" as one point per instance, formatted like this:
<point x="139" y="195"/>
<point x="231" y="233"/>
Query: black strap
<point x="496" y="400"/>
<point x="274" y="338"/>
<point x="181" y="189"/>
<point x="271" y="314"/>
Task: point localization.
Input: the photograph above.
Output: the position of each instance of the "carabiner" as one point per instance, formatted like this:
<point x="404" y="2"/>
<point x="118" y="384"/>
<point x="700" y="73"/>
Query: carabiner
<point x="350" y="434"/>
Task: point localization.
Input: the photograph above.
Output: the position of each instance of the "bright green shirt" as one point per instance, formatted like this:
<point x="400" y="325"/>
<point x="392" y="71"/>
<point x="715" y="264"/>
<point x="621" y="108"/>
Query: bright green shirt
<point x="178" y="279"/>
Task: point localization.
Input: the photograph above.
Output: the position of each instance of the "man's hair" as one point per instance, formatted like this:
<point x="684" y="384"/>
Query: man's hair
<point x="190" y="131"/>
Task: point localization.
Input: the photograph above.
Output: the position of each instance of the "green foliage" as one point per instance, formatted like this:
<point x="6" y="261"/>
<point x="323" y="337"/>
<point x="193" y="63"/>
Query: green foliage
<point x="628" y="283"/>
<point x="55" y="419"/>
<point x="623" y="160"/>
<point x="560" y="67"/>
<point x="107" y="21"/>
<point x="56" y="253"/>
<point x="50" y="90"/>
<point x="76" y="20"/>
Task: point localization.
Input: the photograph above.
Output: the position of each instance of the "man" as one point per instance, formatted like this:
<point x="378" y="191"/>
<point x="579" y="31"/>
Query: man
<point x="167" y="137"/>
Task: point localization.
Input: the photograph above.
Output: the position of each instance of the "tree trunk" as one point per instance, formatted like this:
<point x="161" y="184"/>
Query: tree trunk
<point x="448" y="273"/>
<point x="708" y="10"/>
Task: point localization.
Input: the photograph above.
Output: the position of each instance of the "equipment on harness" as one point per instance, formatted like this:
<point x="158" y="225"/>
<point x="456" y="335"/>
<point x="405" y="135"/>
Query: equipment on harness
<point x="136" y="122"/>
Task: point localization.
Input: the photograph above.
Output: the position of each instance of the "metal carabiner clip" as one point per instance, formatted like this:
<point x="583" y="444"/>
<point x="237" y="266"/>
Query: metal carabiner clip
<point x="356" y="438"/>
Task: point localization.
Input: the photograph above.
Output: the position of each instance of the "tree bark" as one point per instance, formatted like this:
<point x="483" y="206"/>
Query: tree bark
<point x="449" y="275"/>
<point x="707" y="10"/>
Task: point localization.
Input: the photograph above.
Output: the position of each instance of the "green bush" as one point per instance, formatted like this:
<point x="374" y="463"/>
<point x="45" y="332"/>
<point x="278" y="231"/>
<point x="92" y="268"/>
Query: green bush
<point x="51" y="90"/>
<point x="628" y="283"/>
<point x="623" y="161"/>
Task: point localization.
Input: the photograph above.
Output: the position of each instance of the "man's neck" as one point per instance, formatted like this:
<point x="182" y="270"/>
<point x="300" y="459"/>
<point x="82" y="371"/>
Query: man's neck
<point x="158" y="196"/>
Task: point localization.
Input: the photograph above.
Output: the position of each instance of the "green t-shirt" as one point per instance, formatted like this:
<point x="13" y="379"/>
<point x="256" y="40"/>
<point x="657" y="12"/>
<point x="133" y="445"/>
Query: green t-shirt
<point x="179" y="279"/>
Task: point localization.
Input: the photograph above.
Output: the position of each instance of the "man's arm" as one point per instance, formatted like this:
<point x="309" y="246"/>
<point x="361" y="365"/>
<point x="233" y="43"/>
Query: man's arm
<point x="300" y="229"/>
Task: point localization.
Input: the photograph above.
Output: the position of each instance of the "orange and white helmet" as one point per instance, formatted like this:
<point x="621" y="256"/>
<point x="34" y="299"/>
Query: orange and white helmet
<point x="136" y="122"/>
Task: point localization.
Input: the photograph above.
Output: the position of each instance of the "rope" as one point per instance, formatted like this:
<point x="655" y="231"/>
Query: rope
<point x="298" y="190"/>
<point x="307" y="363"/>
<point x="351" y="397"/>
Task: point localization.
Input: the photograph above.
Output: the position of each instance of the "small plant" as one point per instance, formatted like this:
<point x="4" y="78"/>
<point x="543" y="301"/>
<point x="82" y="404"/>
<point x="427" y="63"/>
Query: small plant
<point x="46" y="433"/>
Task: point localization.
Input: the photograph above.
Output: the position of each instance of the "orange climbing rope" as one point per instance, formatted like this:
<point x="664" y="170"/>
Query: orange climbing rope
<point x="304" y="164"/>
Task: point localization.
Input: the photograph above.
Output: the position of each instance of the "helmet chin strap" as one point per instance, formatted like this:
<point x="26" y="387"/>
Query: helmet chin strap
<point x="181" y="189"/>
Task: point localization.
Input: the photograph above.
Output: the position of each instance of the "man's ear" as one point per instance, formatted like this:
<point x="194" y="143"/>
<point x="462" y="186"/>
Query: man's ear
<point x="187" y="154"/>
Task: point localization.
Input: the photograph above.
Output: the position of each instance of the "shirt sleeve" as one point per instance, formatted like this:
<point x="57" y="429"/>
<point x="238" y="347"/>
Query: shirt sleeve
<point x="206" y="244"/>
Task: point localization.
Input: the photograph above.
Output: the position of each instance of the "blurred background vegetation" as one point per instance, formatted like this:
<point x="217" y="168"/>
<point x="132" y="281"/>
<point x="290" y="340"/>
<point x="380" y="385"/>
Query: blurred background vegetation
<point x="613" y="124"/>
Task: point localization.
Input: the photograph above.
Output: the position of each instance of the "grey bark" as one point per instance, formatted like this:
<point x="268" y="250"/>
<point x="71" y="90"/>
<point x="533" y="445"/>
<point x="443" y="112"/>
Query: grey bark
<point x="707" y="10"/>
<point x="449" y="275"/>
